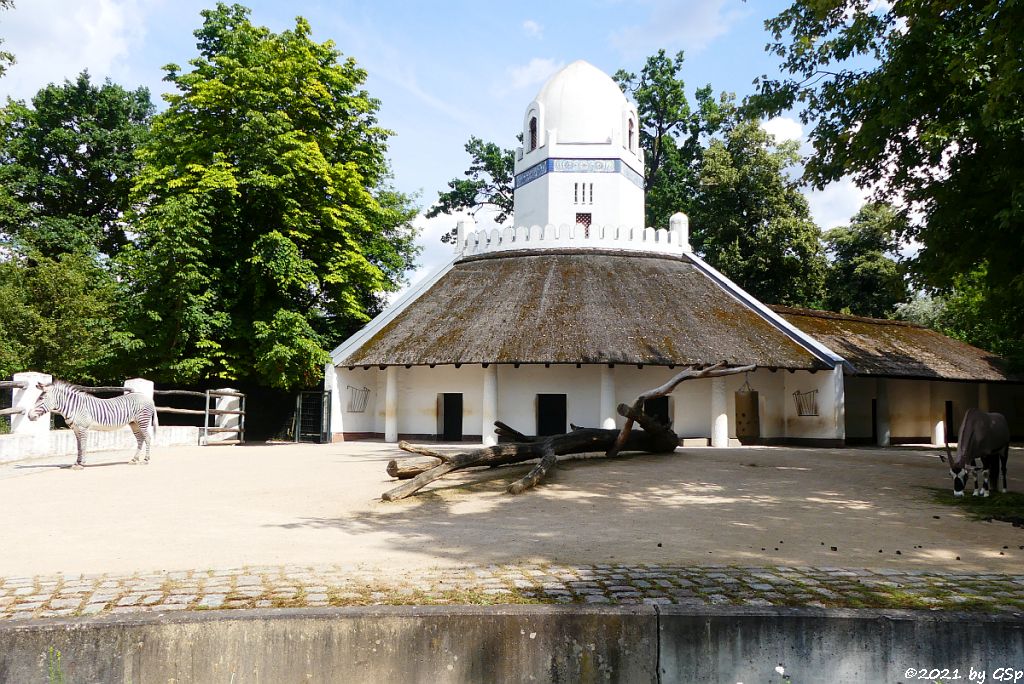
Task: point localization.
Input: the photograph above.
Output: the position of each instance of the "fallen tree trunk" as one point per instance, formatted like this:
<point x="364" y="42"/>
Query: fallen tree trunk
<point x="655" y="437"/>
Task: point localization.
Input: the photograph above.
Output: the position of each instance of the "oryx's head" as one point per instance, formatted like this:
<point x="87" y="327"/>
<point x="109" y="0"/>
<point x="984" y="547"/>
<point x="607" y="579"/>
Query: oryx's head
<point x="960" y="475"/>
<point x="43" y="405"/>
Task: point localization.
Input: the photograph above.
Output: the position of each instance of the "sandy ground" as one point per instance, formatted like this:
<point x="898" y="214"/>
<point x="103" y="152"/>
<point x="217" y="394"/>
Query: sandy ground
<point x="226" y="507"/>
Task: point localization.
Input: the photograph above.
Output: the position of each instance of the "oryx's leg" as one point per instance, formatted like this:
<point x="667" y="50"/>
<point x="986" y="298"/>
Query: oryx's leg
<point x="1002" y="461"/>
<point x="139" y="438"/>
<point x="979" y="489"/>
<point x="80" y="435"/>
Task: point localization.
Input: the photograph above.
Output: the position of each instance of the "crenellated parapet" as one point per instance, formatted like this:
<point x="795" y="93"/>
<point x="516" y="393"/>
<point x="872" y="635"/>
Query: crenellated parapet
<point x="674" y="240"/>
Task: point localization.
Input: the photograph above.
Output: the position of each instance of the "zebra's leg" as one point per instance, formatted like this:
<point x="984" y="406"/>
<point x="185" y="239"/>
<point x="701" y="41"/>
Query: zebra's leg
<point x="137" y="430"/>
<point x="80" y="434"/>
<point x="147" y="434"/>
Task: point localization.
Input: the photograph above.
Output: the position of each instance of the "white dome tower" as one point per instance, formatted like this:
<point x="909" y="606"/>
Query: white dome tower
<point x="580" y="162"/>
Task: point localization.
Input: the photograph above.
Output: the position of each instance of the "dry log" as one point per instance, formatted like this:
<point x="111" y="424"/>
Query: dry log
<point x="654" y="438"/>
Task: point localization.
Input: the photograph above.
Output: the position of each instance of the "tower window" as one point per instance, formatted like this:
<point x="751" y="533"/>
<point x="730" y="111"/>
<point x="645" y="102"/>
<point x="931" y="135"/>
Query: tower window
<point x="533" y="133"/>
<point x="631" y="135"/>
<point x="584" y="220"/>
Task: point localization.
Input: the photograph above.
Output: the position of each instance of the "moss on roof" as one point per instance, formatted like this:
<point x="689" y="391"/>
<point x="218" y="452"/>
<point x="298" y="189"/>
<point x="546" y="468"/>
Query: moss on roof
<point x="879" y="347"/>
<point x="579" y="307"/>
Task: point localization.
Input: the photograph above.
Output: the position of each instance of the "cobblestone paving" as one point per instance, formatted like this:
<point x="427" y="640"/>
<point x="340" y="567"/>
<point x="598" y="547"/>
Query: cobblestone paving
<point x="297" y="587"/>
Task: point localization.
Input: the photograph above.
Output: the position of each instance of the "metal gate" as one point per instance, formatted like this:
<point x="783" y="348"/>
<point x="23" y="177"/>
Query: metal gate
<point x="313" y="417"/>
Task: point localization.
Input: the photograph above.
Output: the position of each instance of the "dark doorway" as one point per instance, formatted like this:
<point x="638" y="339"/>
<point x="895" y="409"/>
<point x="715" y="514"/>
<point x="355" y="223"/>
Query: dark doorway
<point x="551" y="414"/>
<point x="951" y="432"/>
<point x="449" y="417"/>
<point x="657" y="409"/>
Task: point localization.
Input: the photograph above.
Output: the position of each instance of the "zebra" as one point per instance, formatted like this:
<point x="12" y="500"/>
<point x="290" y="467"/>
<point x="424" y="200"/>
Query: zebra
<point x="83" y="411"/>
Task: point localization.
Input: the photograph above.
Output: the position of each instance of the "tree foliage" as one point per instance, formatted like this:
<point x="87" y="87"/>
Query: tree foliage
<point x="672" y="133"/>
<point x="750" y="221"/>
<point x="922" y="101"/>
<point x="489" y="182"/>
<point x="61" y="315"/>
<point x="6" y="58"/>
<point x="864" y="276"/>
<point x="269" y="230"/>
<point x="67" y="165"/>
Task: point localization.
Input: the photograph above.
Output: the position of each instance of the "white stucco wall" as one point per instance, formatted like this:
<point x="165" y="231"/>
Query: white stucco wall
<point x="419" y="386"/>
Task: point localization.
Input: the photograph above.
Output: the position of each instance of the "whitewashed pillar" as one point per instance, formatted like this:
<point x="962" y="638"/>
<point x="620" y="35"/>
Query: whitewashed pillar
<point x="719" y="414"/>
<point x="883" y="427"/>
<point x="391" y="404"/>
<point x="839" y="403"/>
<point x="982" y="396"/>
<point x="608" y="413"/>
<point x="26" y="399"/>
<point x="679" y="226"/>
<point x="226" y="420"/>
<point x="937" y="413"/>
<point x="489" y="410"/>
<point x="336" y="424"/>
<point x="140" y="386"/>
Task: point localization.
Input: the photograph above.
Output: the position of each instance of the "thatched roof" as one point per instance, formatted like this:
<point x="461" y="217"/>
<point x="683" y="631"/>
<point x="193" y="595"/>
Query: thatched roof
<point x="577" y="306"/>
<point x="897" y="349"/>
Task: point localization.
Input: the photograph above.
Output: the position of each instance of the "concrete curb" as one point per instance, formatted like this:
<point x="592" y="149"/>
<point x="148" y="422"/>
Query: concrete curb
<point x="512" y="643"/>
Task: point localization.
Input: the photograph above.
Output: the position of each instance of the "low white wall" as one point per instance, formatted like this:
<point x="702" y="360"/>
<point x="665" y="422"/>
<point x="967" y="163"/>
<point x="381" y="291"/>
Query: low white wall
<point x="63" y="443"/>
<point x="821" y="426"/>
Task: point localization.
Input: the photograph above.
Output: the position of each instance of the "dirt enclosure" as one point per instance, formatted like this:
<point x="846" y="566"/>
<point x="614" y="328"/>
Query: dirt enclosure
<point x="307" y="505"/>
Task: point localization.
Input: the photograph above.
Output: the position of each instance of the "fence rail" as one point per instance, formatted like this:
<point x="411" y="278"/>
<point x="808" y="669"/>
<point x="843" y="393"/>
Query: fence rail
<point x="210" y="412"/>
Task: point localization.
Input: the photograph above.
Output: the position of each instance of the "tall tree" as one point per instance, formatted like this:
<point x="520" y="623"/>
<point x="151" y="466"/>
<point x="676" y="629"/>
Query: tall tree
<point x="270" y="230"/>
<point x="6" y="58"/>
<point x="67" y="165"/>
<point x="864" y="276"/>
<point x="922" y="101"/>
<point x="671" y="132"/>
<point x="750" y="221"/>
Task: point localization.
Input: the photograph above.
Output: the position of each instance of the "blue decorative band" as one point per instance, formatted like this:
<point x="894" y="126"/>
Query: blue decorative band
<point x="579" y="166"/>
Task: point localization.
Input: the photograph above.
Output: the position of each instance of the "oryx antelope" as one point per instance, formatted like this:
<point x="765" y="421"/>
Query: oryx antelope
<point x="83" y="412"/>
<point x="985" y="438"/>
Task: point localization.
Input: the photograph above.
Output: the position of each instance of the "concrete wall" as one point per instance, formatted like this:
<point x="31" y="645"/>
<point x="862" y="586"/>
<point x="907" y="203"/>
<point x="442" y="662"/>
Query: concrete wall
<point x="512" y="643"/>
<point x="63" y="443"/>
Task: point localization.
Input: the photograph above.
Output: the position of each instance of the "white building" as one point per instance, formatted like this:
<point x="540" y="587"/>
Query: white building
<point x="579" y="307"/>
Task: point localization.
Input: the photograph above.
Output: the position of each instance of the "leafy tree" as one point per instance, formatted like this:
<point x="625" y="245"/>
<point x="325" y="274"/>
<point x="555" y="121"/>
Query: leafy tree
<point x="6" y="58"/>
<point x="67" y="165"/>
<point x="269" y="230"/>
<point x="864" y="276"/>
<point x="751" y="222"/>
<point x="489" y="182"/>
<point x="921" y="100"/>
<point x="63" y="316"/>
<point x="671" y="132"/>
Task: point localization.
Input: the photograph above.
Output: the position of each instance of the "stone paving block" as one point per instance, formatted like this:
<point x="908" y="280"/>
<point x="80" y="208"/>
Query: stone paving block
<point x="212" y="601"/>
<point x="130" y="600"/>
<point x="64" y="603"/>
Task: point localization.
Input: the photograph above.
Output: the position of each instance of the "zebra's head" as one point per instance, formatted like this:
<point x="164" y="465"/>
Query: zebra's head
<point x="43" y="403"/>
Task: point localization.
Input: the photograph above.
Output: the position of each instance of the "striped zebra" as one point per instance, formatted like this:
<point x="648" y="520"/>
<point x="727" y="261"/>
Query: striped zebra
<point x="83" y="411"/>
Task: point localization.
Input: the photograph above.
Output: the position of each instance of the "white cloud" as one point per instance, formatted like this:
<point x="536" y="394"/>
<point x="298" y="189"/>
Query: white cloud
<point x="688" y="24"/>
<point x="836" y="203"/>
<point x="532" y="29"/>
<point x="54" y="40"/>
<point x="784" y="128"/>
<point x="518" y="78"/>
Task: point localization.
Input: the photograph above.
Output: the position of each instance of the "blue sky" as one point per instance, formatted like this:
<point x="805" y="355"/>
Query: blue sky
<point x="442" y="71"/>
